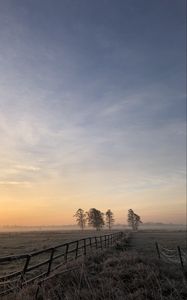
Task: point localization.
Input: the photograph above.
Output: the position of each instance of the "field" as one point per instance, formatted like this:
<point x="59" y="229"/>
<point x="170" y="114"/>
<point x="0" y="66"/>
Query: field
<point x="18" y="243"/>
<point x="144" y="241"/>
<point x="14" y="243"/>
<point x="133" y="274"/>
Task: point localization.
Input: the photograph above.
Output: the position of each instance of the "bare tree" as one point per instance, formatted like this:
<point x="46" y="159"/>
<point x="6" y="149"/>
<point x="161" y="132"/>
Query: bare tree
<point x="81" y="218"/>
<point x="109" y="218"/>
<point x="95" y="218"/>
<point x="133" y="220"/>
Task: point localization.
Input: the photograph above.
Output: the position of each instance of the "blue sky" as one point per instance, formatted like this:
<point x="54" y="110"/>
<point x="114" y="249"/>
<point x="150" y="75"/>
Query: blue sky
<point x="92" y="106"/>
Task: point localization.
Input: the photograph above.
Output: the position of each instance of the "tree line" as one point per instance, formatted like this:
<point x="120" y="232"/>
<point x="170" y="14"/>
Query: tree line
<point x="97" y="219"/>
<point x="94" y="218"/>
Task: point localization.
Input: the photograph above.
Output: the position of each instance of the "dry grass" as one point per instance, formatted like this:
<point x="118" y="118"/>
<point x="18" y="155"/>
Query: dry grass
<point x="114" y="274"/>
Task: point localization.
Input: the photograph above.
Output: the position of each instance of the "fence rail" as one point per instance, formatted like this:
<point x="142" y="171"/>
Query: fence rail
<point x="50" y="259"/>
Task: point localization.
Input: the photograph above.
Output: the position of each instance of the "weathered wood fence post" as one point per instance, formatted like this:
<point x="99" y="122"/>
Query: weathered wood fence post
<point x="84" y="246"/>
<point x="105" y="241"/>
<point x="158" y="250"/>
<point x="180" y="256"/>
<point x="77" y="249"/>
<point x="50" y="262"/>
<point x="66" y="252"/>
<point x="95" y="242"/>
<point x="25" y="268"/>
<point x="90" y="242"/>
<point x="101" y="244"/>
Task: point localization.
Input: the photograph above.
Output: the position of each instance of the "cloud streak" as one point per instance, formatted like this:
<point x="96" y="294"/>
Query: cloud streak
<point x="90" y="105"/>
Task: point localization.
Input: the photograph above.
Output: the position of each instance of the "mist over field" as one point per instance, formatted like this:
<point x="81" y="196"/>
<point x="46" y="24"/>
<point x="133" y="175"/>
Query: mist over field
<point x="146" y="226"/>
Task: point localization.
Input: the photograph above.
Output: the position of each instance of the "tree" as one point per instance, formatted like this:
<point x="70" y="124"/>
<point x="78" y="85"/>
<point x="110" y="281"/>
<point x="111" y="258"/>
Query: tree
<point x="95" y="218"/>
<point x="81" y="218"/>
<point x="133" y="220"/>
<point x="137" y="221"/>
<point x="109" y="218"/>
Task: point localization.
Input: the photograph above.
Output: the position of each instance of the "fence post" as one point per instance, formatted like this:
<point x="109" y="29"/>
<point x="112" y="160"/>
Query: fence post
<point x="90" y="242"/>
<point x="108" y="240"/>
<point x="66" y="253"/>
<point x="77" y="249"/>
<point x="105" y="240"/>
<point x="180" y="256"/>
<point x="25" y="268"/>
<point x="50" y="262"/>
<point x="158" y="250"/>
<point x="95" y="242"/>
<point x="101" y="242"/>
<point x="84" y="246"/>
<point x="37" y="290"/>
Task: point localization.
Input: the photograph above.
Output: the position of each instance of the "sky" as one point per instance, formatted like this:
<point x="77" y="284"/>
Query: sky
<point x="92" y="109"/>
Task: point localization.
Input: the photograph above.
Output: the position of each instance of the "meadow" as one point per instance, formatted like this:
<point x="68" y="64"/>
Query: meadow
<point x="18" y="243"/>
<point x="144" y="241"/>
<point x="133" y="274"/>
<point x="13" y="243"/>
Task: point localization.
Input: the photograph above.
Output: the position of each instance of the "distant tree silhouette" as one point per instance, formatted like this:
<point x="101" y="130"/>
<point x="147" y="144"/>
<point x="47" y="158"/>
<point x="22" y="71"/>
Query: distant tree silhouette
<point x="81" y="218"/>
<point x="109" y="218"/>
<point x="95" y="218"/>
<point x="133" y="220"/>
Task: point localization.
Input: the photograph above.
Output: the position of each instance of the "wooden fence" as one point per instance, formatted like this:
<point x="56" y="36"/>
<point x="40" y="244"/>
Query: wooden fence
<point x="36" y="265"/>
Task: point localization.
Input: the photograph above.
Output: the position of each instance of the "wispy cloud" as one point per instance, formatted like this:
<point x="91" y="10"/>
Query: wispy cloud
<point x="15" y="183"/>
<point x="27" y="168"/>
<point x="93" y="107"/>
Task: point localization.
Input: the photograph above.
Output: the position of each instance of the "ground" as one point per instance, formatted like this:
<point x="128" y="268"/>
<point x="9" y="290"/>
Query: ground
<point x="14" y="243"/>
<point x="116" y="273"/>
